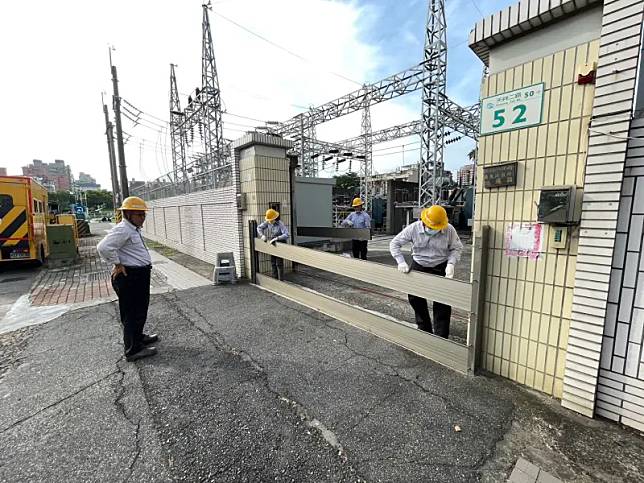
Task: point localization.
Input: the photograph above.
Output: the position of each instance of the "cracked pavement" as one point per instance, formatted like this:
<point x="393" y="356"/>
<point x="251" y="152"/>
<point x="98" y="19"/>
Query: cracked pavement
<point x="248" y="386"/>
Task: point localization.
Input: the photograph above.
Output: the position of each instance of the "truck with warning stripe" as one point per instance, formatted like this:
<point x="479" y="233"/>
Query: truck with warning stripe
<point x="23" y="220"/>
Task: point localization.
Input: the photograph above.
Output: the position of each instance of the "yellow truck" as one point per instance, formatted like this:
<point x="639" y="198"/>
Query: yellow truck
<point x="23" y="220"/>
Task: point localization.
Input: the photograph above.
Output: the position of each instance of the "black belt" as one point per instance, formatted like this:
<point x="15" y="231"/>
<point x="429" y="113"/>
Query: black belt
<point x="140" y="267"/>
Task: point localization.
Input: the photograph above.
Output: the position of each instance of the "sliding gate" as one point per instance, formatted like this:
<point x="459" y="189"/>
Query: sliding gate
<point x="458" y="294"/>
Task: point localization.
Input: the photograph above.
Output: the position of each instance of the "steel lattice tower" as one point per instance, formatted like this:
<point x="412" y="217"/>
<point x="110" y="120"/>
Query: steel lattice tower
<point x="177" y="137"/>
<point x="210" y="100"/>
<point x="366" y="164"/>
<point x="305" y="142"/>
<point x="433" y="100"/>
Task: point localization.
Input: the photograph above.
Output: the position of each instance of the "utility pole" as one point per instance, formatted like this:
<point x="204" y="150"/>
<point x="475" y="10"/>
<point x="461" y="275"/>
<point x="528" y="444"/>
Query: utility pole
<point x="125" y="191"/>
<point x="116" y="197"/>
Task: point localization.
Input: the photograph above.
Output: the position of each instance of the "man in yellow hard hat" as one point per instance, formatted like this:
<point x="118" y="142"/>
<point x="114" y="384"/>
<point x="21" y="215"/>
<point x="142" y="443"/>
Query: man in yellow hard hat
<point x="272" y="230"/>
<point x="125" y="249"/>
<point x="358" y="219"/>
<point x="436" y="248"/>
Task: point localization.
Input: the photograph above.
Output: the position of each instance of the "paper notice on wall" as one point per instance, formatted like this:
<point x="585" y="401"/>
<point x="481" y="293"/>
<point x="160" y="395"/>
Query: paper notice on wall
<point x="523" y="240"/>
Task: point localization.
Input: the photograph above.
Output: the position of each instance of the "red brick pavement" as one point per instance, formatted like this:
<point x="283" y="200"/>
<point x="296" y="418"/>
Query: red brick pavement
<point x="88" y="280"/>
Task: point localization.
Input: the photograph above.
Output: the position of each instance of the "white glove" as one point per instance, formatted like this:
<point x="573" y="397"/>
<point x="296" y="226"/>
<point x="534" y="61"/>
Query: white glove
<point x="403" y="267"/>
<point x="273" y="241"/>
<point x="264" y="238"/>
<point x="449" y="270"/>
<point x="349" y="223"/>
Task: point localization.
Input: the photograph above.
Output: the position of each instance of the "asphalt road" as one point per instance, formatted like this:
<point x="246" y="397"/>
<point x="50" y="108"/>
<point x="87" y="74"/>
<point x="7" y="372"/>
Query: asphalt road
<point x="15" y="281"/>
<point x="251" y="387"/>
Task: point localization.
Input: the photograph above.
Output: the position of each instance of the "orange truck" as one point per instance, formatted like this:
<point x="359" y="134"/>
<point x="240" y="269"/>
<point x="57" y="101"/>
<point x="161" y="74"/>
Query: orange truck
<point x="23" y="220"/>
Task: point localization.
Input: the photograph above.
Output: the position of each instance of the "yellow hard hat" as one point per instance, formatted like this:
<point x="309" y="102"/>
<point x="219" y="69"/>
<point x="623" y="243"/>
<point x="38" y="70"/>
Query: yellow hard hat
<point x="434" y="217"/>
<point x="133" y="203"/>
<point x="271" y="214"/>
<point x="356" y="202"/>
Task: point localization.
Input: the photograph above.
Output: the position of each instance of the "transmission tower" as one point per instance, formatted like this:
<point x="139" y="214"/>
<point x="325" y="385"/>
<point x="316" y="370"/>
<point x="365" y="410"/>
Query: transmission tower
<point x="203" y="114"/>
<point x="433" y="100"/>
<point x="366" y="164"/>
<point x="177" y="138"/>
<point x="210" y="99"/>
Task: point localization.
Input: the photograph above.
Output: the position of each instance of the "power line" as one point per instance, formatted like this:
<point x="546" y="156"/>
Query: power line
<point x="143" y="112"/>
<point x="141" y="122"/>
<point x="477" y="8"/>
<point x="242" y="117"/>
<point x="290" y="52"/>
<point x="397" y="146"/>
<point x="398" y="152"/>
<point x="239" y="125"/>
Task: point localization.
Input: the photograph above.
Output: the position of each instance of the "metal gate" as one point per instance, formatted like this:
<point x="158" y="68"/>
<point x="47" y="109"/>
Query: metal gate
<point x="458" y="294"/>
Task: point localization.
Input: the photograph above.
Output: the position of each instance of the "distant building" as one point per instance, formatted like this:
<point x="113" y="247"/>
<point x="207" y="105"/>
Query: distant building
<point x="3" y="171"/>
<point x="135" y="186"/>
<point x="465" y="175"/>
<point x="85" y="182"/>
<point x="55" y="174"/>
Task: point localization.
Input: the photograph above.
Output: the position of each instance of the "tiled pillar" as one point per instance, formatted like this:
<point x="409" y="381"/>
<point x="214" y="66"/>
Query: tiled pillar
<point x="264" y="180"/>
<point x="617" y="71"/>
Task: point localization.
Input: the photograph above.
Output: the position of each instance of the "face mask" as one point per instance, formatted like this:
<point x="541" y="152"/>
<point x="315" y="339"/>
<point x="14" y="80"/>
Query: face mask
<point x="430" y="232"/>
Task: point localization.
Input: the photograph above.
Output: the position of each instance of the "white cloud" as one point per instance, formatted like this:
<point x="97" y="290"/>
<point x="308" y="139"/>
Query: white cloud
<point x="55" y="65"/>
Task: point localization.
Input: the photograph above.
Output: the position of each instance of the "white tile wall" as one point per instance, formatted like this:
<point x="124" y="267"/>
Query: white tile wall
<point x="200" y="224"/>
<point x="620" y="390"/>
<point x="617" y="72"/>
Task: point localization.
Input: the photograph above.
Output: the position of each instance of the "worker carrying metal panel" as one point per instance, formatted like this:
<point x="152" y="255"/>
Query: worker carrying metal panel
<point x="436" y="248"/>
<point x="272" y="230"/>
<point x="358" y="219"/>
<point x="124" y="248"/>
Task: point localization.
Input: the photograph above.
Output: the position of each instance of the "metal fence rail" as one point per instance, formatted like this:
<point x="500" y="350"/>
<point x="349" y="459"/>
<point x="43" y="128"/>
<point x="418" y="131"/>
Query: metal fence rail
<point x="458" y="294"/>
<point x="166" y="186"/>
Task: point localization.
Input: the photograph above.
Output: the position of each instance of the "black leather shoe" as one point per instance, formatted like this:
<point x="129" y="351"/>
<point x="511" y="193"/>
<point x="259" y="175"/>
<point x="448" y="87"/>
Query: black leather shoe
<point x="149" y="339"/>
<point x="145" y="352"/>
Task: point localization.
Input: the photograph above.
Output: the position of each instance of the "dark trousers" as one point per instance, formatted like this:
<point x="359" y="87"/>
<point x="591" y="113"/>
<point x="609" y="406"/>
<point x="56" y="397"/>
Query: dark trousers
<point x="442" y="312"/>
<point x="133" y="292"/>
<point x="359" y="249"/>
<point x="277" y="265"/>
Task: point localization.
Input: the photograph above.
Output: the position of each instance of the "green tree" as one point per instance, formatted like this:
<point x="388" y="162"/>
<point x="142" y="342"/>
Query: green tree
<point x="473" y="154"/>
<point x="62" y="198"/>
<point x="99" y="199"/>
<point x="348" y="181"/>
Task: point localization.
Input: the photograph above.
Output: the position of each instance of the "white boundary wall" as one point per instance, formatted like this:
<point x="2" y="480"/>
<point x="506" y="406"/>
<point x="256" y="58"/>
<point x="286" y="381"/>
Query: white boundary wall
<point x="200" y="224"/>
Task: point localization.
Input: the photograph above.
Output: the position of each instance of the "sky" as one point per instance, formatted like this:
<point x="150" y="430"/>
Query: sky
<point x="275" y="58"/>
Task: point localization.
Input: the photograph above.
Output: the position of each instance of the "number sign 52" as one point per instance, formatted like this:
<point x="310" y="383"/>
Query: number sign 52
<point x="499" y="115"/>
<point x="512" y="110"/>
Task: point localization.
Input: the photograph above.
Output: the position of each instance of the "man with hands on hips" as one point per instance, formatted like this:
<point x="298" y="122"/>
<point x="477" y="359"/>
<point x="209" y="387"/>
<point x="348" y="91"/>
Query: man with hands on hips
<point x="436" y="248"/>
<point x="124" y="248"/>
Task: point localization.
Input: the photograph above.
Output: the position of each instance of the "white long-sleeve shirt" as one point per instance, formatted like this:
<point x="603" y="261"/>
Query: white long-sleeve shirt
<point x="360" y="219"/>
<point x="124" y="245"/>
<point x="427" y="251"/>
<point x="273" y="230"/>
